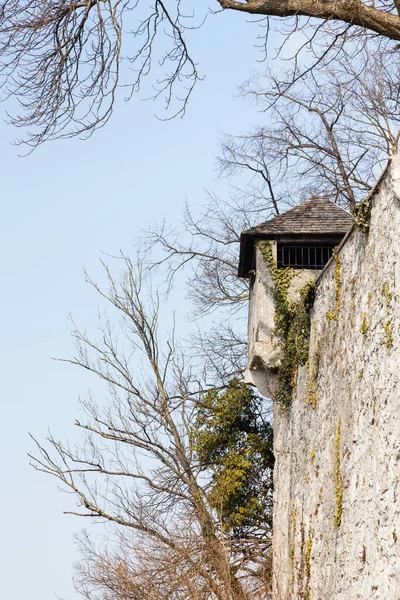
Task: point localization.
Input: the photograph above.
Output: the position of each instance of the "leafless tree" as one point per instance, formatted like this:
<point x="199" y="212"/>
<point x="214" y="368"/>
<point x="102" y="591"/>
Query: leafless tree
<point x="135" y="466"/>
<point x="210" y="237"/>
<point x="63" y="59"/>
<point x="330" y="134"/>
<point x="148" y="571"/>
<point x="204" y="247"/>
<point x="380" y="17"/>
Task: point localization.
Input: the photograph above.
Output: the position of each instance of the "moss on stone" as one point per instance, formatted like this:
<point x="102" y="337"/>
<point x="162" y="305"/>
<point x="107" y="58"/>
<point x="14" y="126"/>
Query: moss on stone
<point x="387" y="294"/>
<point x="319" y="501"/>
<point x="293" y="529"/>
<point x="362" y="214"/>
<point x="364" y="325"/>
<point x="388" y="328"/>
<point x="333" y="315"/>
<point x="338" y="480"/>
<point x="312" y="371"/>
<point x="307" y="561"/>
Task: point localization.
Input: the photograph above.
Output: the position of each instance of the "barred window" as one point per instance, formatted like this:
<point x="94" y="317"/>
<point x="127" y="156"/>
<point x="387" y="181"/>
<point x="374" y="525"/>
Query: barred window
<point x="299" y="256"/>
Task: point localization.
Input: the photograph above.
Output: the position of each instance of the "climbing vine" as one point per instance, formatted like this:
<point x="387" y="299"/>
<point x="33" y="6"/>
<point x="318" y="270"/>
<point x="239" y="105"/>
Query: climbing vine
<point x="292" y="320"/>
<point x="282" y="279"/>
<point x="362" y="214"/>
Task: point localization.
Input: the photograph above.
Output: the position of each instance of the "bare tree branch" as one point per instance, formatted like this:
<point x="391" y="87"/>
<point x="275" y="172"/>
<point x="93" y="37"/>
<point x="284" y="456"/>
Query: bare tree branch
<point x="135" y="466"/>
<point x="329" y="132"/>
<point x="65" y="60"/>
<point x="374" y="16"/>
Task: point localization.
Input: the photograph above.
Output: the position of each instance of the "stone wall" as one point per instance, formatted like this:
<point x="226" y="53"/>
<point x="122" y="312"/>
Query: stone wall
<point x="337" y="449"/>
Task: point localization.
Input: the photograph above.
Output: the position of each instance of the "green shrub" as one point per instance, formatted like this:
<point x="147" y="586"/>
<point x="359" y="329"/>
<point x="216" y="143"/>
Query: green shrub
<point x="234" y="440"/>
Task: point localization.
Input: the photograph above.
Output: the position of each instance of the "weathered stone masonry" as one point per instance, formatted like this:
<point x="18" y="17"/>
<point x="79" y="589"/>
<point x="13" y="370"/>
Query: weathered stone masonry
<point x="337" y="448"/>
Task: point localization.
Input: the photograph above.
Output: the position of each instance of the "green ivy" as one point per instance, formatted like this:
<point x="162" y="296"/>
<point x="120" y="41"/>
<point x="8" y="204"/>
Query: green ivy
<point x="362" y="214"/>
<point x="292" y="320"/>
<point x="232" y="438"/>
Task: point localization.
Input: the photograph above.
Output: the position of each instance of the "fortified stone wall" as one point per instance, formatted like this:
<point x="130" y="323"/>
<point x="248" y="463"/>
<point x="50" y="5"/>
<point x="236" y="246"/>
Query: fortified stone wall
<point x="337" y="448"/>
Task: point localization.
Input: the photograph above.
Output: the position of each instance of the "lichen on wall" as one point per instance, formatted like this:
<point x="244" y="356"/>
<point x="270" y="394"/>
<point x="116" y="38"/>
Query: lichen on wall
<point x="337" y="449"/>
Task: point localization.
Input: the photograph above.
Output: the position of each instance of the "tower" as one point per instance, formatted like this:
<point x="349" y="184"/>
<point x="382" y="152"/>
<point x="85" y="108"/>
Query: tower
<point x="293" y="249"/>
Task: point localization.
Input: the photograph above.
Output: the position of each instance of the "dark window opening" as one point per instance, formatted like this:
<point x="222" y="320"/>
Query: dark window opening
<point x="304" y="257"/>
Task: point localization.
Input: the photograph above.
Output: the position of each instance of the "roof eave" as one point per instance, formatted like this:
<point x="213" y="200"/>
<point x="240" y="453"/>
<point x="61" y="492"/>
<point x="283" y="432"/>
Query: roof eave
<point x="247" y="239"/>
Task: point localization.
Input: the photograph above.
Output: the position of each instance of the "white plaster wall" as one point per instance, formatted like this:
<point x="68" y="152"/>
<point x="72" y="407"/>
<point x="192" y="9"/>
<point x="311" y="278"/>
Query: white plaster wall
<point x="358" y="387"/>
<point x="265" y="348"/>
<point x="264" y="353"/>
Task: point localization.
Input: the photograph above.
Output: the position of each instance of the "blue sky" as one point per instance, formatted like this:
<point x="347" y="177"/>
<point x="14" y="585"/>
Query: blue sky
<point x="61" y="207"/>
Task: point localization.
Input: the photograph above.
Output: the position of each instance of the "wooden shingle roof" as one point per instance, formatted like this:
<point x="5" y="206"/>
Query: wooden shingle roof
<point x="315" y="216"/>
<point x="317" y="220"/>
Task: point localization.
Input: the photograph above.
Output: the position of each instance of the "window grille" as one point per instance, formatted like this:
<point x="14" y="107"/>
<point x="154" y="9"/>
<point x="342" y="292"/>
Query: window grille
<point x="303" y="256"/>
